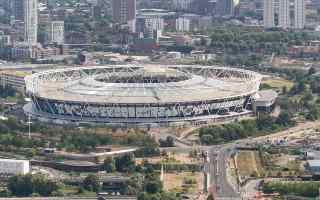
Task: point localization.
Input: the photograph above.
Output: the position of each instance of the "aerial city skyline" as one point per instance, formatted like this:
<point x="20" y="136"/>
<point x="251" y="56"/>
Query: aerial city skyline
<point x="159" y="99"/>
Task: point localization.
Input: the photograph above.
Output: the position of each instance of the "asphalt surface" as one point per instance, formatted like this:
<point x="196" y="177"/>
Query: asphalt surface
<point x="220" y="185"/>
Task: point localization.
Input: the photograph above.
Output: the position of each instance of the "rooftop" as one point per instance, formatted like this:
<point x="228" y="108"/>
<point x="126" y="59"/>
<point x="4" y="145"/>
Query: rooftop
<point x="155" y="84"/>
<point x="314" y="163"/>
<point x="266" y="95"/>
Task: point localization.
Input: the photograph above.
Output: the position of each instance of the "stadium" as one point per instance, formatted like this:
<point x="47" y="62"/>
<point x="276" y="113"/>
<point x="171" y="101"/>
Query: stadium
<point x="141" y="95"/>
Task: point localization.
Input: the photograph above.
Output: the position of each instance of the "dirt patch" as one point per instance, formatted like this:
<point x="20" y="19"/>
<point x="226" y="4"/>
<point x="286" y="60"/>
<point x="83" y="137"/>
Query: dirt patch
<point x="249" y="163"/>
<point x="181" y="182"/>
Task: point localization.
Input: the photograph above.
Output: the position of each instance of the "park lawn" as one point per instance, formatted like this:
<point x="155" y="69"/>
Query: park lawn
<point x="249" y="163"/>
<point x="279" y="83"/>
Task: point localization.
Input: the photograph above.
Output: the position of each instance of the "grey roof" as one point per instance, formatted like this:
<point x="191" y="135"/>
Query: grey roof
<point x="266" y="95"/>
<point x="314" y="163"/>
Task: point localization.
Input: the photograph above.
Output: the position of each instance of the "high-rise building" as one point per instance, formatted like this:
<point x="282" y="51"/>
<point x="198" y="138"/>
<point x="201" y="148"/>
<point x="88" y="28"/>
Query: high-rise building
<point x="226" y="7"/>
<point x="31" y="21"/>
<point x="268" y="13"/>
<point x="55" y="31"/>
<point x="300" y="16"/>
<point x="123" y="11"/>
<point x="286" y="14"/>
<point x="17" y="9"/>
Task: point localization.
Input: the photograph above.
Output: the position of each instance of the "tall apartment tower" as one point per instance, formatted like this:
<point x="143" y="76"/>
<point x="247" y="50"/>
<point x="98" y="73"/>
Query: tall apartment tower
<point x="123" y="11"/>
<point x="269" y="13"/>
<point x="286" y="14"/>
<point x="300" y="15"/>
<point x="31" y="21"/>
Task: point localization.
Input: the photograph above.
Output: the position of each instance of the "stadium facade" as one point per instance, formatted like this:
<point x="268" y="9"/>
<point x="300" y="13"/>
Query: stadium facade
<point x="141" y="95"/>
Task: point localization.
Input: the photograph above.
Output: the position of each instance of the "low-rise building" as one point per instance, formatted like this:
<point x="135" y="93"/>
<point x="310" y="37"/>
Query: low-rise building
<point x="265" y="101"/>
<point x="14" y="79"/>
<point x="14" y="167"/>
<point x="313" y="166"/>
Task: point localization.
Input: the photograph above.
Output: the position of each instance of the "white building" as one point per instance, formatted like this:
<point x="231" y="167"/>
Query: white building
<point x="148" y="25"/>
<point x="183" y="24"/>
<point x="31" y="21"/>
<point x="182" y="5"/>
<point x="300" y="15"/>
<point x="286" y="14"/>
<point x="55" y="30"/>
<point x="9" y="166"/>
<point x="268" y="13"/>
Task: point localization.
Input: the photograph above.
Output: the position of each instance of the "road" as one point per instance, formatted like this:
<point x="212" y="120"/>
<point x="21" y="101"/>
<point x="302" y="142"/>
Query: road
<point x="219" y="154"/>
<point x="220" y="185"/>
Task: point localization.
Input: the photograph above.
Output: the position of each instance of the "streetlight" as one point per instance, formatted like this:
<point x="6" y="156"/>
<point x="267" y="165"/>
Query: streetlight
<point x="29" y="124"/>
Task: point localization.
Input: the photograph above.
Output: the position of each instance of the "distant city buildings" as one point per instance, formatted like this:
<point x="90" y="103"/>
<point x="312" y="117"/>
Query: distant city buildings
<point x="226" y="7"/>
<point x="5" y="40"/>
<point x="17" y="9"/>
<point x="269" y="13"/>
<point x="183" y="24"/>
<point x="55" y="31"/>
<point x="286" y="14"/>
<point x="31" y="21"/>
<point x="124" y="11"/>
<point x="182" y="5"/>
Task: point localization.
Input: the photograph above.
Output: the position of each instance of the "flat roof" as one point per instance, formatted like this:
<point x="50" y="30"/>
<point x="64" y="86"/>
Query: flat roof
<point x="314" y="163"/>
<point x="266" y="95"/>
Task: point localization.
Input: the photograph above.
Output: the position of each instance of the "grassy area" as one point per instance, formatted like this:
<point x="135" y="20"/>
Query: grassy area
<point x="249" y="163"/>
<point x="278" y="83"/>
<point x="181" y="182"/>
<point x="68" y="190"/>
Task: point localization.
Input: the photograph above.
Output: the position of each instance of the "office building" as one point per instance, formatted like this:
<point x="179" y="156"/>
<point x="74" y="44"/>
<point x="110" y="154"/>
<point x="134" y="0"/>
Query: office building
<point x="31" y="21"/>
<point x="123" y="11"/>
<point x="55" y="31"/>
<point x="17" y="9"/>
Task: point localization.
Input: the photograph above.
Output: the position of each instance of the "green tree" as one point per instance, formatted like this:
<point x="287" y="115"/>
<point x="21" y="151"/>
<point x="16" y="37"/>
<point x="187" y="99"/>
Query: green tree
<point x="109" y="165"/>
<point x="26" y="185"/>
<point x="91" y="183"/>
<point x="210" y="197"/>
<point x="125" y="163"/>
<point x="21" y="186"/>
<point x="284" y="118"/>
